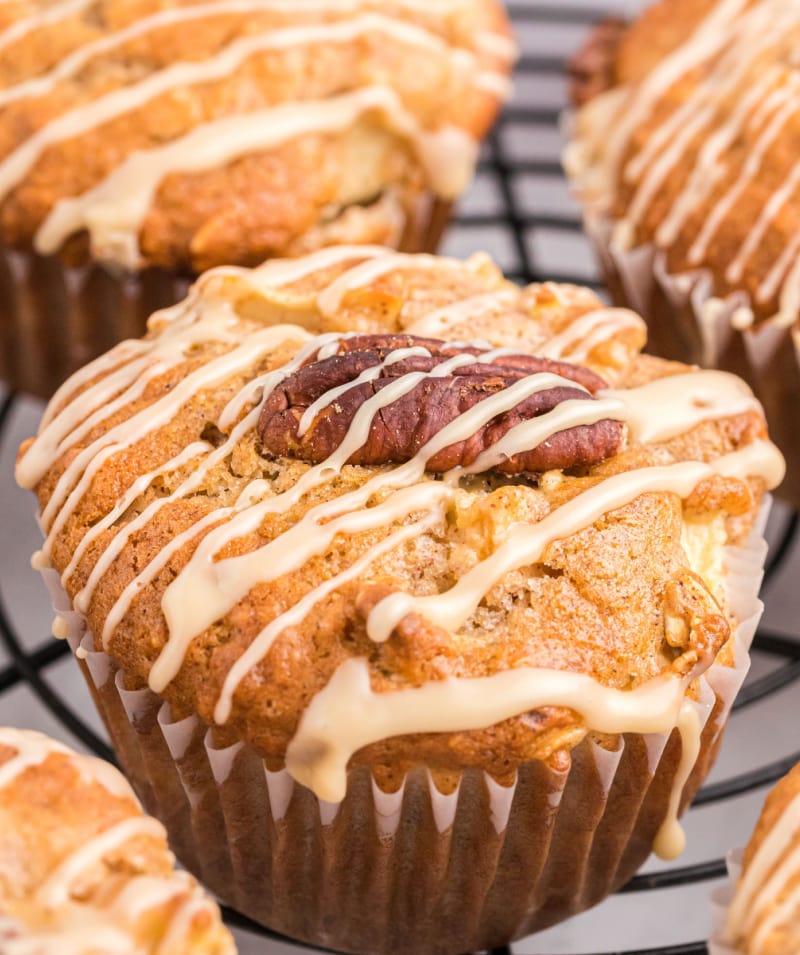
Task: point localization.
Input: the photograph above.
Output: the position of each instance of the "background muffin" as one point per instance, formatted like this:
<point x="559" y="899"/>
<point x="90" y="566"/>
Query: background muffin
<point x="82" y="870"/>
<point x="760" y="913"/>
<point x="462" y="603"/>
<point x="686" y="168"/>
<point x="142" y="142"/>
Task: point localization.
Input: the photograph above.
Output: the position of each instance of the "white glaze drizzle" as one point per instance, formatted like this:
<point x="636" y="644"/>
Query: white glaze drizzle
<point x="750" y="170"/>
<point x="140" y="894"/>
<point x="42" y="18"/>
<point x="277" y="273"/>
<point x="89" y="116"/>
<point x="704" y="42"/>
<point x="754" y="910"/>
<point x="190" y="484"/>
<point x="113" y="211"/>
<point x="260" y="647"/>
<point x="56" y="888"/>
<point x="163" y="410"/>
<point x="139" y="486"/>
<point x="767" y="216"/>
<point x="708" y="169"/>
<point x="667" y="407"/>
<point x="672" y="139"/>
<point x="329" y="301"/>
<point x="588" y="332"/>
<point x="223" y="583"/>
<point x="730" y="39"/>
<point x="327" y="399"/>
<point x="71" y="64"/>
<point x="348" y="715"/>
<point x="439" y="322"/>
<point x="526" y="544"/>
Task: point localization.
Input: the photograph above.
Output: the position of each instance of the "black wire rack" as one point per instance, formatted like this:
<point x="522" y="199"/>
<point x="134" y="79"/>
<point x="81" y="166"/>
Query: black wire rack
<point x="519" y="227"/>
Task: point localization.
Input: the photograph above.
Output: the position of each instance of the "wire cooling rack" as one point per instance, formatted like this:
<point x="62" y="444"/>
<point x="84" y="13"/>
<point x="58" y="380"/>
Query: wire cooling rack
<point x="520" y="211"/>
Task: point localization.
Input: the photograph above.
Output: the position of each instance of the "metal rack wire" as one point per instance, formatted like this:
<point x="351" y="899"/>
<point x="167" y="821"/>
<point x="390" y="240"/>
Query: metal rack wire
<point x="505" y="218"/>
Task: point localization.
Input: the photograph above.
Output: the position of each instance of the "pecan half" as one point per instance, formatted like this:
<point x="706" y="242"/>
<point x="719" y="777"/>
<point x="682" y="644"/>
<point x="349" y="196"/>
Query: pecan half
<point x="592" y="69"/>
<point x="400" y="428"/>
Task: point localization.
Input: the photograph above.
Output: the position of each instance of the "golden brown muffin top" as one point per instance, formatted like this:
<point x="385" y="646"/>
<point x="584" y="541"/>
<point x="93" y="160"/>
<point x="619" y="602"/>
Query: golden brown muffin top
<point x="335" y="507"/>
<point x="81" y="869"/>
<point x="693" y="145"/>
<point x="190" y="133"/>
<point x="764" y="917"/>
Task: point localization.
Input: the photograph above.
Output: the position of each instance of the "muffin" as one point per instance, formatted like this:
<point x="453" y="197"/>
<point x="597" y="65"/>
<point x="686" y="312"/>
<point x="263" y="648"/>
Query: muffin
<point x="759" y="914"/>
<point x="143" y="141"/>
<point x="414" y="601"/>
<point x="82" y="869"/>
<point x="684" y="158"/>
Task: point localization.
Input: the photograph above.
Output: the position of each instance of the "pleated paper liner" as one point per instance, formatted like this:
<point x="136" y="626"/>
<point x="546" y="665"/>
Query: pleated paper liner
<point x="415" y="870"/>
<point x="55" y="318"/>
<point x="687" y="323"/>
<point x="720" y="901"/>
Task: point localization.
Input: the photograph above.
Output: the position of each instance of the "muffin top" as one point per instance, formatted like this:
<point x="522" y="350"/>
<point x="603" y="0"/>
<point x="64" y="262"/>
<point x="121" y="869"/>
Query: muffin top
<point x="395" y="509"/>
<point x="764" y="917"/>
<point x="82" y="870"/>
<point x="689" y="141"/>
<point x="185" y="134"/>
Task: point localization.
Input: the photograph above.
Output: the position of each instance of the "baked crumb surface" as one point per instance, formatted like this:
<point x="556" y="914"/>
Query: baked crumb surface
<point x="625" y="598"/>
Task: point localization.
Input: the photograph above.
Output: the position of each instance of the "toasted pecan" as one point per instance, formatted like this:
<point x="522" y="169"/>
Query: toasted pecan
<point x="400" y="429"/>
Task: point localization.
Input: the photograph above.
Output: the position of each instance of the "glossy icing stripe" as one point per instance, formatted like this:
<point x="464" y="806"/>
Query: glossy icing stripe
<point x="139" y="486"/>
<point x="89" y="116"/>
<point x="348" y="715"/>
<point x="526" y="544"/>
<point x="42" y="18"/>
<point x="71" y="64"/>
<point x="114" y="210"/>
<point x="55" y="889"/>
<point x="33" y="749"/>
<point x="260" y="647"/>
<point x="208" y="588"/>
<point x="763" y="876"/>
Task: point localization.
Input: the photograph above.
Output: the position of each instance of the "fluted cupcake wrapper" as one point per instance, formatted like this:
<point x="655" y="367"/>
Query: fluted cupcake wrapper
<point x="720" y="902"/>
<point x="415" y="870"/>
<point x="687" y="323"/>
<point x="56" y="318"/>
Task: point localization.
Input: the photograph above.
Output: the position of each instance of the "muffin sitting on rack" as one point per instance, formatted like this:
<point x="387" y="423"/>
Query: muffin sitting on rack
<point x="415" y="601"/>
<point x="684" y="156"/>
<point x="143" y="141"/>
<point x="760" y="913"/>
<point x="82" y="870"/>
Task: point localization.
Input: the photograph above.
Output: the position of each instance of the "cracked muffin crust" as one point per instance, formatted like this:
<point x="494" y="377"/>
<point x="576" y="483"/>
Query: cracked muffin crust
<point x="82" y="870"/>
<point x="228" y="550"/>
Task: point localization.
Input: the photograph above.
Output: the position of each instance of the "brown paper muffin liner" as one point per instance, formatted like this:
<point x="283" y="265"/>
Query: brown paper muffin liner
<point x="687" y="323"/>
<point x="414" y="871"/>
<point x="55" y="318"/>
